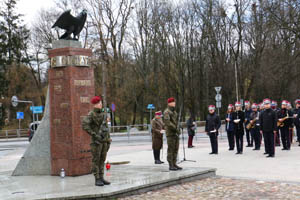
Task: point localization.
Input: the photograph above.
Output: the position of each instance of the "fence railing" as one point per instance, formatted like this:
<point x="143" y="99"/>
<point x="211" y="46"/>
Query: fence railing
<point x="129" y="130"/>
<point x="14" y="133"/>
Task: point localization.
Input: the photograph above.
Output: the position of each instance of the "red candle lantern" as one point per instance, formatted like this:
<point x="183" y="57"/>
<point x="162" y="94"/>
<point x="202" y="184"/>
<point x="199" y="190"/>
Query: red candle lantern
<point x="107" y="165"/>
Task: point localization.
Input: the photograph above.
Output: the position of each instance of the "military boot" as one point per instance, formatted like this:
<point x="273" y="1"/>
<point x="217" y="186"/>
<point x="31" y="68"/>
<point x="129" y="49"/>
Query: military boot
<point x="105" y="182"/>
<point x="99" y="182"/>
<point x="172" y="168"/>
<point x="178" y="168"/>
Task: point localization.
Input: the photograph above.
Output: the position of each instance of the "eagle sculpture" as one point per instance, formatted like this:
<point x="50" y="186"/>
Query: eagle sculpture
<point x="71" y="24"/>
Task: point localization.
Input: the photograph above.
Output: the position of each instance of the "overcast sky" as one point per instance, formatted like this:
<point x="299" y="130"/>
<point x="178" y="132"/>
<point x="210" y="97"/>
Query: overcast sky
<point x="30" y="8"/>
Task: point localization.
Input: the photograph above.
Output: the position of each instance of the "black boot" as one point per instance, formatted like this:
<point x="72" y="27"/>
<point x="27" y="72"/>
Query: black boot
<point x="178" y="168"/>
<point x="99" y="182"/>
<point x="105" y="182"/>
<point x="172" y="168"/>
<point x="158" y="157"/>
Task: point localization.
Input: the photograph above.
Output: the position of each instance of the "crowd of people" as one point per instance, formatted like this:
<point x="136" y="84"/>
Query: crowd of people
<point x="259" y="121"/>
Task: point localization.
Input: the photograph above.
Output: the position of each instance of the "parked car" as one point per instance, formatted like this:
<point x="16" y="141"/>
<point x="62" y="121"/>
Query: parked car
<point x="32" y="128"/>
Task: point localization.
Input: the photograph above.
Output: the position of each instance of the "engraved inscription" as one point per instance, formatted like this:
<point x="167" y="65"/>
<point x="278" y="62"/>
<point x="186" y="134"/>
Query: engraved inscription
<point x="64" y="105"/>
<point x="75" y="60"/>
<point x="57" y="88"/>
<point x="82" y="82"/>
<point x="84" y="99"/>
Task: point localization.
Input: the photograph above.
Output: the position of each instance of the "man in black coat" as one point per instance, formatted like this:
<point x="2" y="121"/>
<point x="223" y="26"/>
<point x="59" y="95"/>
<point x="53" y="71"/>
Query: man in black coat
<point x="249" y="135"/>
<point x="297" y="119"/>
<point x="230" y="127"/>
<point x="285" y="118"/>
<point x="268" y="127"/>
<point x="238" y="119"/>
<point x="212" y="125"/>
<point x="191" y="127"/>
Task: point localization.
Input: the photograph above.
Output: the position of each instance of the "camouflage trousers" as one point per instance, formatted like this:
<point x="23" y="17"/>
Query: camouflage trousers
<point x="99" y="152"/>
<point x="173" y="146"/>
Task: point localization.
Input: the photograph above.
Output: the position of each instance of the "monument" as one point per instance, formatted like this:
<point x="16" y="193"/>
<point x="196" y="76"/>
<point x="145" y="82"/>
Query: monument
<point x="60" y="142"/>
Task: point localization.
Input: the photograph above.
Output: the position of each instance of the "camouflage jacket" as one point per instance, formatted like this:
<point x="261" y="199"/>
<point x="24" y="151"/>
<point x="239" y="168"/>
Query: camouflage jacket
<point x="170" y="120"/>
<point x="95" y="124"/>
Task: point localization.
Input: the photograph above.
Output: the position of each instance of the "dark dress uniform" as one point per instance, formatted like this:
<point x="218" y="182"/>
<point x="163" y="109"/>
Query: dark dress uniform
<point x="249" y="135"/>
<point x="213" y="122"/>
<point x="95" y="124"/>
<point x="239" y="130"/>
<point x="157" y="138"/>
<point x="255" y="131"/>
<point x="170" y="120"/>
<point x="297" y="123"/>
<point x="284" y="130"/>
<point x="230" y="131"/>
<point x="268" y="124"/>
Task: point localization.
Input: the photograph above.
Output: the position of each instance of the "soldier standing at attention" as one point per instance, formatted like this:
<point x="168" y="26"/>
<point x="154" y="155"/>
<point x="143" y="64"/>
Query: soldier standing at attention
<point x="170" y="120"/>
<point x="268" y="127"/>
<point x="249" y="135"/>
<point x="95" y="124"/>
<point x="238" y="119"/>
<point x="157" y="129"/>
<point x="212" y="125"/>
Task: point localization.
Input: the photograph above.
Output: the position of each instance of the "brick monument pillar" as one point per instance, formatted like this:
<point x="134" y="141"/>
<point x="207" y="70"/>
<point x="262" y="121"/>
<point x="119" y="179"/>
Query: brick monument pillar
<point x="71" y="83"/>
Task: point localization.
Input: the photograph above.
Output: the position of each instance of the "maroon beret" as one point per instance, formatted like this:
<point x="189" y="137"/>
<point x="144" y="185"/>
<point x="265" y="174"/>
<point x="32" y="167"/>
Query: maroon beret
<point x="170" y="100"/>
<point x="96" y="99"/>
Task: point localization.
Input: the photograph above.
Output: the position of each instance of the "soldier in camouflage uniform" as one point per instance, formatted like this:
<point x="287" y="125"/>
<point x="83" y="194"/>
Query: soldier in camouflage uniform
<point x="172" y="133"/>
<point x="95" y="124"/>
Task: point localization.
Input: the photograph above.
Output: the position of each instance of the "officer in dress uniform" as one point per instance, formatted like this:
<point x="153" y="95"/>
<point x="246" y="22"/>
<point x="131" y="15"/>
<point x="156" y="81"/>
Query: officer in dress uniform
<point x="157" y="129"/>
<point x="268" y="127"/>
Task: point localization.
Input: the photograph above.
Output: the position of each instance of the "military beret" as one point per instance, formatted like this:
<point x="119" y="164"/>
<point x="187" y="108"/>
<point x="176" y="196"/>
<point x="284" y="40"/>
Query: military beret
<point x="171" y="99"/>
<point x="96" y="99"/>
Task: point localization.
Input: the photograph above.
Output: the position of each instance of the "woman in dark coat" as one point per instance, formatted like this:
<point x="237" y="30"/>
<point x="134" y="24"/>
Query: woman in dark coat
<point x="157" y="136"/>
<point x="191" y="127"/>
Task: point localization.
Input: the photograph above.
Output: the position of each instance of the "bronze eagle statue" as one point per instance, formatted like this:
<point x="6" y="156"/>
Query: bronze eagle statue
<point x="72" y="25"/>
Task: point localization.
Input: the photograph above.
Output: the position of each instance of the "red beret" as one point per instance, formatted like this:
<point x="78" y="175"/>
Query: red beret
<point x="170" y="100"/>
<point x="158" y="113"/>
<point x="95" y="99"/>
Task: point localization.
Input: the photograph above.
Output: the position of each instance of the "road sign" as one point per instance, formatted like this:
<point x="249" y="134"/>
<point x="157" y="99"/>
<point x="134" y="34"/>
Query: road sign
<point x="14" y="101"/>
<point x="37" y="109"/>
<point x="150" y="107"/>
<point x="218" y="89"/>
<point x="113" y="107"/>
<point x="218" y="97"/>
<point x="20" y="115"/>
<point x="218" y="104"/>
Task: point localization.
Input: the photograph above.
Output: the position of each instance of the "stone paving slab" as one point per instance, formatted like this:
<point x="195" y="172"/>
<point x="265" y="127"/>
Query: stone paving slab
<point x="126" y="179"/>
<point x="223" y="188"/>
